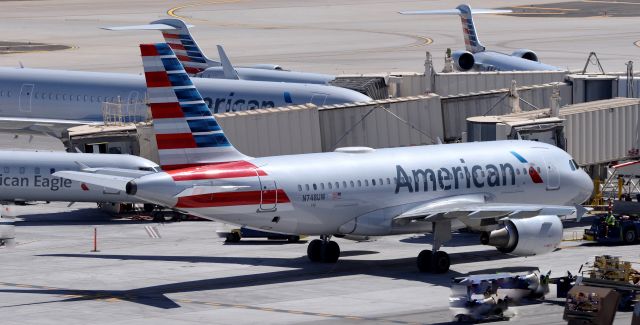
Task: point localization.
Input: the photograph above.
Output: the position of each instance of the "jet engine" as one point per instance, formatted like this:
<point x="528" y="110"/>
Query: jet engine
<point x="525" y="54"/>
<point x="526" y="237"/>
<point x="267" y="66"/>
<point x="463" y="60"/>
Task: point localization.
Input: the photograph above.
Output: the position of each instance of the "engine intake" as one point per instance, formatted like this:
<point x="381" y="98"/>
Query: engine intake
<point x="526" y="237"/>
<point x="526" y="54"/>
<point x="463" y="60"/>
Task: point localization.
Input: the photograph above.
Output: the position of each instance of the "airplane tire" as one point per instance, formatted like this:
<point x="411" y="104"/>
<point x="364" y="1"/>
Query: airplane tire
<point x="233" y="237"/>
<point x="314" y="250"/>
<point x="331" y="252"/>
<point x="441" y="262"/>
<point x="424" y="260"/>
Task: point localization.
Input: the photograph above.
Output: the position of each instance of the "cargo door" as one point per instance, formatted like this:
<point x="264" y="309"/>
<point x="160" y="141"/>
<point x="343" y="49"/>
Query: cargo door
<point x="268" y="193"/>
<point x="26" y="93"/>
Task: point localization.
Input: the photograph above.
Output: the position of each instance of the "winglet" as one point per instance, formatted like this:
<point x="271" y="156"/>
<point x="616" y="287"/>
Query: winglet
<point x="227" y="67"/>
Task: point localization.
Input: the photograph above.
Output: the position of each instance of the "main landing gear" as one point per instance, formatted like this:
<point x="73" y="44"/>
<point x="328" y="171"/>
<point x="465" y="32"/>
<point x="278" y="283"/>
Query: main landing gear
<point x="436" y="261"/>
<point x="323" y="250"/>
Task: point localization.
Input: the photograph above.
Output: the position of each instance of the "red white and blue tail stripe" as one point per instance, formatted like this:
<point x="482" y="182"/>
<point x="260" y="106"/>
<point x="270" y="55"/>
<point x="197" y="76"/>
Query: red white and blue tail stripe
<point x="186" y="132"/>
<point x="471" y="41"/>
<point x="185" y="47"/>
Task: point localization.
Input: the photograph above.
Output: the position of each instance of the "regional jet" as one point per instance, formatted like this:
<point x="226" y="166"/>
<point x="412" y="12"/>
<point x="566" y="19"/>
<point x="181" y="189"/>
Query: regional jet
<point x="49" y="96"/>
<point x="514" y="191"/>
<point x="28" y="176"/>
<point x="475" y="56"/>
<point x="176" y="34"/>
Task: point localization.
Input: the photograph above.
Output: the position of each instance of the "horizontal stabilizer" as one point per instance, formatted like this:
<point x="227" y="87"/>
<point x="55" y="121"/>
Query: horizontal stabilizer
<point x="144" y="27"/>
<point x="454" y="12"/>
<point x="117" y="183"/>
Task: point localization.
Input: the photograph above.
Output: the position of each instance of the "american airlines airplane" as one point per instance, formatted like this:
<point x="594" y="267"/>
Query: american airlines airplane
<point x="513" y="190"/>
<point x="41" y="96"/>
<point x="27" y="176"/>
<point x="476" y="56"/>
<point x="176" y="34"/>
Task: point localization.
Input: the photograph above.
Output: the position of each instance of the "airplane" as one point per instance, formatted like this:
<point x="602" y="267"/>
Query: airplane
<point x="476" y="56"/>
<point x="49" y="97"/>
<point x="523" y="185"/>
<point x="26" y="176"/>
<point x="197" y="64"/>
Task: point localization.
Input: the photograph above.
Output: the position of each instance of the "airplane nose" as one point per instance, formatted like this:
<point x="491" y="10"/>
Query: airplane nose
<point x="585" y="187"/>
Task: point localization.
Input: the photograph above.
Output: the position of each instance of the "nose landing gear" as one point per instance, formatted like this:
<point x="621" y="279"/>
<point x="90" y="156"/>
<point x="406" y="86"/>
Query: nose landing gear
<point x="323" y="250"/>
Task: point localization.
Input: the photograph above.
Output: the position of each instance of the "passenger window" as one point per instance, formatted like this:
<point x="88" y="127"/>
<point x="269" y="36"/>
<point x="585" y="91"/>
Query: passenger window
<point x="315" y="187"/>
<point x="330" y="185"/>
<point x="366" y="182"/>
<point x="306" y="186"/>
<point x="22" y="170"/>
<point x="322" y="186"/>
<point x="337" y="184"/>
<point x="352" y="184"/>
<point x="92" y="98"/>
<point x="539" y="171"/>
<point x="64" y="96"/>
<point x="9" y="93"/>
<point x="7" y="170"/>
<point x="381" y="182"/>
<point x="388" y="181"/>
<point x="344" y="184"/>
<point x="518" y="171"/>
<point x="299" y="188"/>
<point x="359" y="183"/>
<point x="36" y="170"/>
<point x="86" y="97"/>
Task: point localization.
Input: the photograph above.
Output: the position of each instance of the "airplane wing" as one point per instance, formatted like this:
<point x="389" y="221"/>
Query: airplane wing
<point x="144" y="27"/>
<point x="454" y="12"/>
<point x="113" y="182"/>
<point x="476" y="207"/>
<point x="52" y="127"/>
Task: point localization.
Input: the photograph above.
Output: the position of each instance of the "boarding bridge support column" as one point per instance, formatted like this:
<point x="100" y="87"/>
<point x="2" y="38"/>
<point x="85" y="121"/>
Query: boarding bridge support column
<point x="514" y="98"/>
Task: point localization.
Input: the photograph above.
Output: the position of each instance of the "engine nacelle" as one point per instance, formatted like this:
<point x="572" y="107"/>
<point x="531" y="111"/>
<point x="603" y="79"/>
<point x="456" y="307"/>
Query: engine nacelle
<point x="463" y="60"/>
<point x="525" y="54"/>
<point x="526" y="237"/>
<point x="267" y="66"/>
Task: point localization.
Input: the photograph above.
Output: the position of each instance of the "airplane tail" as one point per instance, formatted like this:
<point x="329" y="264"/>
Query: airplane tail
<point x="471" y="40"/>
<point x="185" y="47"/>
<point x="186" y="132"/>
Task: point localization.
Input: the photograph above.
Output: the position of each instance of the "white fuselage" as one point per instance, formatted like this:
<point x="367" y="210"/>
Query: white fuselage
<point x="324" y="193"/>
<point x="26" y="176"/>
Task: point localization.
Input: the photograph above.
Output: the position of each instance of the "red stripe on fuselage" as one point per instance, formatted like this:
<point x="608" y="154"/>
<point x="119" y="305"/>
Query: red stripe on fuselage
<point x="166" y="110"/>
<point x="157" y="79"/>
<point x="175" y="141"/>
<point x="233" y="199"/>
<point x="232" y="169"/>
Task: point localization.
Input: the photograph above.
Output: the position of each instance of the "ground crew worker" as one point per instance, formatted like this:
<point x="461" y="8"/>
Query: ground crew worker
<point x="609" y="221"/>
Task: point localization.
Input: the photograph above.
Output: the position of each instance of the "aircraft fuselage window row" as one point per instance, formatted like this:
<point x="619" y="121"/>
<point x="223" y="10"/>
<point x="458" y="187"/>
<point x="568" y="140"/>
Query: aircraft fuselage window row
<point x="23" y="170"/>
<point x="380" y="182"/>
<point x="77" y="98"/>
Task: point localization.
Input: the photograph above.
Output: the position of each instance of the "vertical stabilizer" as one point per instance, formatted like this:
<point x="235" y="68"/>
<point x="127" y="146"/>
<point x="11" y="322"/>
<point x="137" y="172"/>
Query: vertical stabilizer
<point x="471" y="40"/>
<point x="186" y="132"/>
<point x="185" y="47"/>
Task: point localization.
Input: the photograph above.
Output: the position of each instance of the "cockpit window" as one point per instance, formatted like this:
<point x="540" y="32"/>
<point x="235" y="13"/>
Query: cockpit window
<point x="574" y="165"/>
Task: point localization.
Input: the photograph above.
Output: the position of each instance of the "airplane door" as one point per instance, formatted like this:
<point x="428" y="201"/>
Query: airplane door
<point x="26" y="93"/>
<point x="268" y="193"/>
<point x="553" y="177"/>
<point x="318" y="99"/>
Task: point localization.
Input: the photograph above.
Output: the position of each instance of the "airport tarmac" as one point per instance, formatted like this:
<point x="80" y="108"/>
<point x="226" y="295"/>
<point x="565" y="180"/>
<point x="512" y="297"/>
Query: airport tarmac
<point x="189" y="275"/>
<point x="356" y="36"/>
